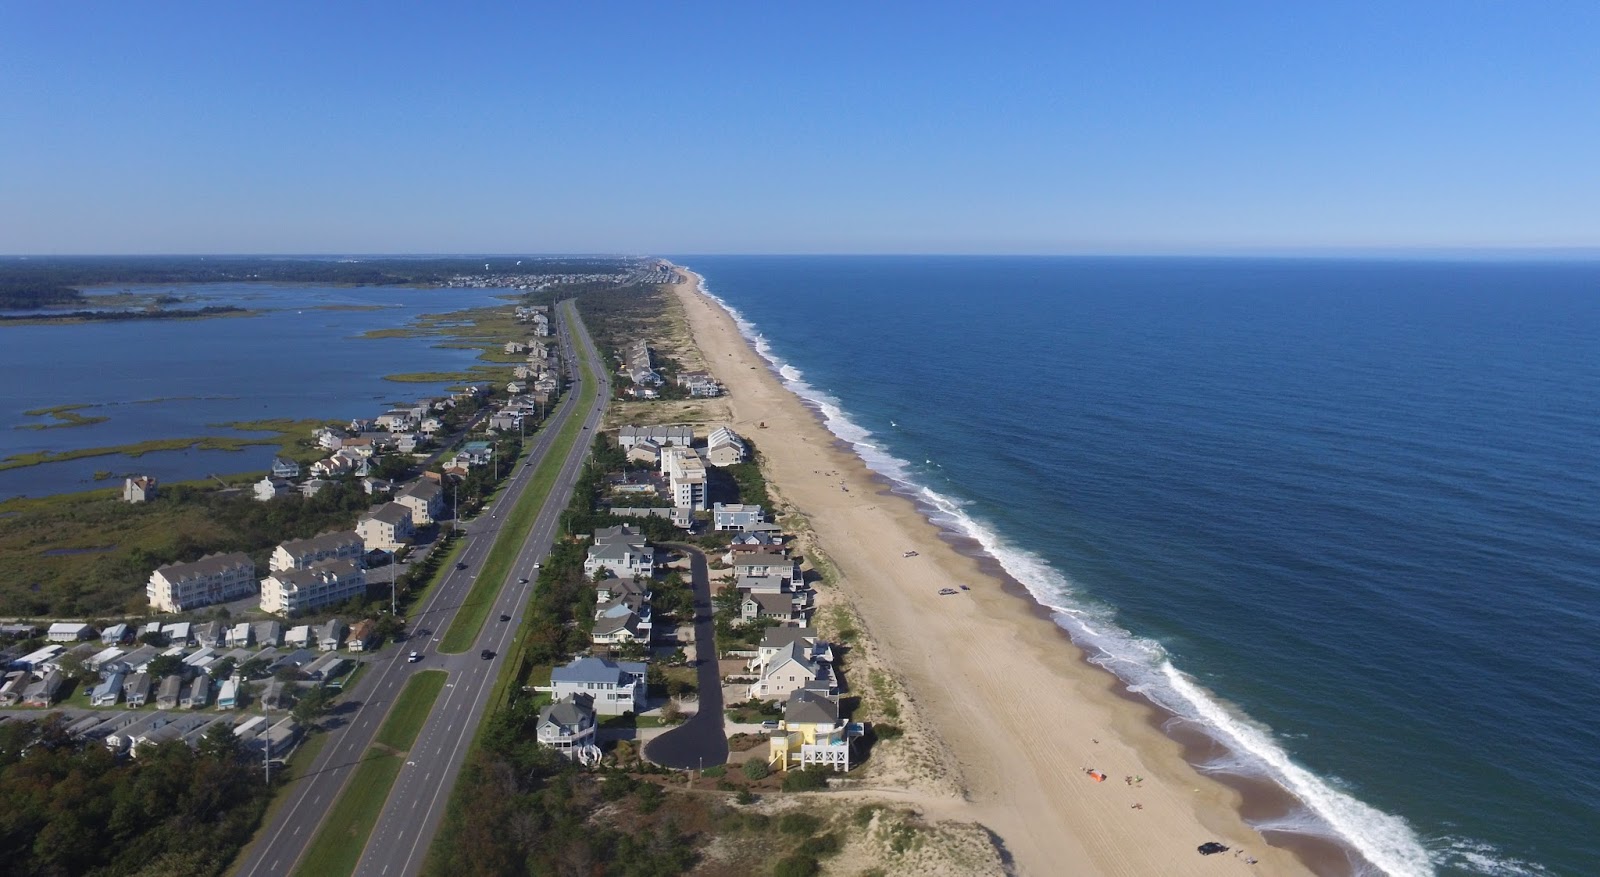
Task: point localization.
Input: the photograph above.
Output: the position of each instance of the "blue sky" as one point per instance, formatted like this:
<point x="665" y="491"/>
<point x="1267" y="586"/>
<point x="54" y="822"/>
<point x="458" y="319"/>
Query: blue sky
<point x="709" y="128"/>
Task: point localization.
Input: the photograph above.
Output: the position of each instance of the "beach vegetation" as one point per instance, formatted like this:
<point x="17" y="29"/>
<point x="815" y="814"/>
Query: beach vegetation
<point x="755" y="769"/>
<point x="805" y="781"/>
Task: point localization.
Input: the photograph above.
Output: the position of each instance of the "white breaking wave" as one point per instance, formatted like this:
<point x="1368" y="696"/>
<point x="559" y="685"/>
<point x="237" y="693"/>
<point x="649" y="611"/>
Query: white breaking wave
<point x="1385" y="840"/>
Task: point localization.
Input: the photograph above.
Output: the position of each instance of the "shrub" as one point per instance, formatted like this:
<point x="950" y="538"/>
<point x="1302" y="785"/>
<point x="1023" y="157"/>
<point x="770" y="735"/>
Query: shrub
<point x="887" y="731"/>
<point x="755" y="769"/>
<point x="744" y="797"/>
<point x="798" y="823"/>
<point x="650" y="797"/>
<point x="863" y="815"/>
<point x="715" y="770"/>
<point x="805" y="781"/>
<point x="821" y="846"/>
<point x="796" y="865"/>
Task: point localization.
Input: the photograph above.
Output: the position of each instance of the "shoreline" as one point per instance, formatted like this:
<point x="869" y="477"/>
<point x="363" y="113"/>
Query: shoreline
<point x="966" y="659"/>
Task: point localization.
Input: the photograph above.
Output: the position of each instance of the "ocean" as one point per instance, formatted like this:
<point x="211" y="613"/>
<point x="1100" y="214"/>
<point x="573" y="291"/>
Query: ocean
<point x="300" y="357"/>
<point x="1341" y="515"/>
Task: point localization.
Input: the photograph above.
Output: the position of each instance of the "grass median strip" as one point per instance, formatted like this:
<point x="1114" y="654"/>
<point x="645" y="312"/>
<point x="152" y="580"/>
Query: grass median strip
<point x="343" y="836"/>
<point x="338" y="845"/>
<point x="411" y="710"/>
<point x="470" y="617"/>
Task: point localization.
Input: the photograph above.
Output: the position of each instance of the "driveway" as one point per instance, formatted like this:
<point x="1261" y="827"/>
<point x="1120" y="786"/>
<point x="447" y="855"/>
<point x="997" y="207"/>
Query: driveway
<point x="700" y="741"/>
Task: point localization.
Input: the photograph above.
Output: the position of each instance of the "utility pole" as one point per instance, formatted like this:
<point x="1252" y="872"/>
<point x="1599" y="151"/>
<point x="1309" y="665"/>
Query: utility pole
<point x="393" y="600"/>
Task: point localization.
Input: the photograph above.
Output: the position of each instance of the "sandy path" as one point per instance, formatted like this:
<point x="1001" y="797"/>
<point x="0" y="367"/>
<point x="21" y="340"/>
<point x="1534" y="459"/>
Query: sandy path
<point x="1018" y="709"/>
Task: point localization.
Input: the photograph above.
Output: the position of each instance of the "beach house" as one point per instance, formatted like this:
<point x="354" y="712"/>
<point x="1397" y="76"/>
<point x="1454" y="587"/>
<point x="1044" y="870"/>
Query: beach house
<point x="617" y="686"/>
<point x="139" y="488"/>
<point x="568" y="726"/>
<point x="790" y="659"/>
<point x="737" y="517"/>
<point x="622" y="550"/>
<point x="811" y="733"/>
<point x="724" y="447"/>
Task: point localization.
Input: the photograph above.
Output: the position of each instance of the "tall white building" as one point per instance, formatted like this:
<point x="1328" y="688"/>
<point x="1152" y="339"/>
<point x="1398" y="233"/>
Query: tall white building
<point x="686" y="476"/>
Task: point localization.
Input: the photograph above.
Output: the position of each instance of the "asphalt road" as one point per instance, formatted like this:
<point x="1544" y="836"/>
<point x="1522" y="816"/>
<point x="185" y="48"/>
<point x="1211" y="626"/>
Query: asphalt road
<point x="701" y="741"/>
<point x="412" y="813"/>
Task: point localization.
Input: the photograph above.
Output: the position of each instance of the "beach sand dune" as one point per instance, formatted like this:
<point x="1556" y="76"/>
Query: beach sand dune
<point x="1020" y="714"/>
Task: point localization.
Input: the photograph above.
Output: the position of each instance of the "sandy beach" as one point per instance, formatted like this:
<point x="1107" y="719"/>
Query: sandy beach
<point x="1017" y="713"/>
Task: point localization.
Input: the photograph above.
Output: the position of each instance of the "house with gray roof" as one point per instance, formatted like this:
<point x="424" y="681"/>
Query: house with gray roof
<point x="108" y="692"/>
<point x="169" y="691"/>
<point x="617" y="686"/>
<point x="568" y="726"/>
<point x="43" y="692"/>
<point x="622" y="550"/>
<point x="663" y="436"/>
<point x="210" y="633"/>
<point x="198" y="694"/>
<point x="268" y="633"/>
<point x="736" y="516"/>
<point x="69" y="632"/>
<point x="136" y="690"/>
<point x="330" y="636"/>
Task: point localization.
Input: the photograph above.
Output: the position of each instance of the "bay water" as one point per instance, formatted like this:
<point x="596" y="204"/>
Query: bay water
<point x="301" y="355"/>
<point x="1341" y="515"/>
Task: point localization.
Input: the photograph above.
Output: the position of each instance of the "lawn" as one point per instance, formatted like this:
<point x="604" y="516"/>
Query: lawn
<point x="411" y="710"/>
<point x="338" y="846"/>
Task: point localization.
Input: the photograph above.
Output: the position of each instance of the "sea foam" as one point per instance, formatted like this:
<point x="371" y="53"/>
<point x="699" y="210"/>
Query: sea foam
<point x="1385" y="840"/>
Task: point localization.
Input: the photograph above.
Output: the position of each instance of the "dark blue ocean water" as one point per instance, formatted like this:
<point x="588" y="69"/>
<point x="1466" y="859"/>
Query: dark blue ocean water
<point x="1345" y="515"/>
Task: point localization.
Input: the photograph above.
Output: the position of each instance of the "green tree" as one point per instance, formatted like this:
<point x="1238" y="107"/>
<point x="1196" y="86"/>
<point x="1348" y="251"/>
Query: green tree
<point x="164" y="666"/>
<point x="219" y="743"/>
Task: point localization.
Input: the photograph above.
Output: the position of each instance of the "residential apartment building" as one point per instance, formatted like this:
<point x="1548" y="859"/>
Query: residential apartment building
<point x="301" y="553"/>
<point x="321" y="584"/>
<point x="387" y="527"/>
<point x="425" y="499"/>
<point x="215" y="578"/>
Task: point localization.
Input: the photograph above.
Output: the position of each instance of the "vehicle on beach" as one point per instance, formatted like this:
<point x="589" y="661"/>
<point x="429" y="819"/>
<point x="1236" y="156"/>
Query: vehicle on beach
<point x="945" y="592"/>
<point x="908" y="554"/>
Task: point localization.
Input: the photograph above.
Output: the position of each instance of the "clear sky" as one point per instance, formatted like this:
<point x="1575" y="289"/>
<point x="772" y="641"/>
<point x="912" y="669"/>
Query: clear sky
<point x="661" y="127"/>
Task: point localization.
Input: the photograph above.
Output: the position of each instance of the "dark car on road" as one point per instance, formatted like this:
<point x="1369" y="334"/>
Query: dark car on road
<point x="486" y="654"/>
<point x="461" y="566"/>
<point x="504" y="617"/>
